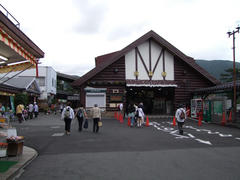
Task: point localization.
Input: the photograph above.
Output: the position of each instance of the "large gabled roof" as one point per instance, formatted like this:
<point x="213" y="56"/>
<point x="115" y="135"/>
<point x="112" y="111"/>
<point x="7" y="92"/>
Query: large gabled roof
<point x="150" y="35"/>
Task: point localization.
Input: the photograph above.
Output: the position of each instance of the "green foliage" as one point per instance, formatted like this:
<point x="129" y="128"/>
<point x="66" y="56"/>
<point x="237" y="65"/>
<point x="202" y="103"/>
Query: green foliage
<point x="228" y="75"/>
<point x="21" y="99"/>
<point x="217" y="67"/>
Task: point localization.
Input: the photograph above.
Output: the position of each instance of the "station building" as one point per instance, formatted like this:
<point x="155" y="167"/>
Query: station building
<point x="149" y="70"/>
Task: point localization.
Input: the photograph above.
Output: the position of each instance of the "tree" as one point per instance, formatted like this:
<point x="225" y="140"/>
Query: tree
<point x="228" y="75"/>
<point x="21" y="99"/>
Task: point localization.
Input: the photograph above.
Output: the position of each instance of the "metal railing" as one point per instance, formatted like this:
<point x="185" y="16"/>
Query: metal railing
<point x="9" y="16"/>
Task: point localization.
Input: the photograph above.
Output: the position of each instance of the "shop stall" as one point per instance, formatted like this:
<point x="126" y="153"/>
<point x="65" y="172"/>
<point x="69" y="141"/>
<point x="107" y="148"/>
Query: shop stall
<point x="10" y="143"/>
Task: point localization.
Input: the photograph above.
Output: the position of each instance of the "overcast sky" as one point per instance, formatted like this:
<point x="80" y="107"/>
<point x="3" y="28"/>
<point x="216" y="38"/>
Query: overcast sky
<point x="73" y="32"/>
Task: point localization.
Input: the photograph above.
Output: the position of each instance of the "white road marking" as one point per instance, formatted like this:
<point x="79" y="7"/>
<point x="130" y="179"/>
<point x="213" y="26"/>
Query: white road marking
<point x="210" y="132"/>
<point x="180" y="136"/>
<point x="225" y="135"/>
<point x="58" y="134"/>
<point x="173" y="132"/>
<point x="190" y="135"/>
<point x="204" y="142"/>
<point x="55" y="127"/>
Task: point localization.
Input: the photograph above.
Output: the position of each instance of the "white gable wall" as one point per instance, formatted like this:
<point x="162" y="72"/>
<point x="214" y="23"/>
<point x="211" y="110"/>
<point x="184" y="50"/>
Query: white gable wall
<point x="169" y="66"/>
<point x="156" y="50"/>
<point x="130" y="65"/>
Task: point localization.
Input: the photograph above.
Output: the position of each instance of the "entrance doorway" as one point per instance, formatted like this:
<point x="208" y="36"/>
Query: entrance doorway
<point x="156" y="100"/>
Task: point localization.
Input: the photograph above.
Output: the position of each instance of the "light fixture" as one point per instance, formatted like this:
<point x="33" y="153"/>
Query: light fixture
<point x="3" y="58"/>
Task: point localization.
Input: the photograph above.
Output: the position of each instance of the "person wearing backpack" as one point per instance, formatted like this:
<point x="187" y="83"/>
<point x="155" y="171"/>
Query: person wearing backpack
<point x="180" y="117"/>
<point x="67" y="116"/>
<point x="81" y="115"/>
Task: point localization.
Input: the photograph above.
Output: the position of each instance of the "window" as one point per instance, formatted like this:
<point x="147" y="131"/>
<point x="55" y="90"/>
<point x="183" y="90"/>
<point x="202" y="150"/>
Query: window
<point x="53" y="83"/>
<point x="41" y="81"/>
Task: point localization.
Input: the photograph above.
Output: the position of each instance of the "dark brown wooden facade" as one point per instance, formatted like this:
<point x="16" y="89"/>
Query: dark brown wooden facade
<point x="110" y="74"/>
<point x="188" y="79"/>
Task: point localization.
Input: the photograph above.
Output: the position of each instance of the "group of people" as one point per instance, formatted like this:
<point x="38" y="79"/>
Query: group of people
<point x="28" y="112"/>
<point x="136" y="114"/>
<point x="68" y="116"/>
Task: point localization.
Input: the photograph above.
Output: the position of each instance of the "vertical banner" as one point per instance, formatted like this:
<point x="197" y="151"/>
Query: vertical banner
<point x="12" y="104"/>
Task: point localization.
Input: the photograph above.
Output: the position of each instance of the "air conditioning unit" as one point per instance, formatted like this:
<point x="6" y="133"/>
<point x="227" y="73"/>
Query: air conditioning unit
<point x="115" y="91"/>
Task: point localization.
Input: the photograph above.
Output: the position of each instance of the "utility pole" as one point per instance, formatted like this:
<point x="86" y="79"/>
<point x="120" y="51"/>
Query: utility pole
<point x="234" y="74"/>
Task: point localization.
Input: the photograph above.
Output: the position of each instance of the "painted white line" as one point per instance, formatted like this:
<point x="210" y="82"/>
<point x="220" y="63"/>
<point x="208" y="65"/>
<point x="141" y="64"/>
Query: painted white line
<point x="180" y="136"/>
<point x="204" y="142"/>
<point x="55" y="127"/>
<point x="225" y="135"/>
<point x="210" y="132"/>
<point x="173" y="132"/>
<point x="190" y="135"/>
<point x="237" y="138"/>
<point x="58" y="134"/>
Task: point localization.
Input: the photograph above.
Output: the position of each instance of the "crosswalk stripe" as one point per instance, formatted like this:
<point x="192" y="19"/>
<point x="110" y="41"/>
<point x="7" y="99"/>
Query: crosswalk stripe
<point x="58" y="134"/>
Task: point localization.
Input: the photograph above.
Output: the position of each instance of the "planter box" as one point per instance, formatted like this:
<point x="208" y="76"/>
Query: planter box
<point x="15" y="148"/>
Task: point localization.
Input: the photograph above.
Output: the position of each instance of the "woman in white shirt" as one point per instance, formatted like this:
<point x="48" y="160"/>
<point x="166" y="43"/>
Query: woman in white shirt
<point x="68" y="116"/>
<point x="140" y="115"/>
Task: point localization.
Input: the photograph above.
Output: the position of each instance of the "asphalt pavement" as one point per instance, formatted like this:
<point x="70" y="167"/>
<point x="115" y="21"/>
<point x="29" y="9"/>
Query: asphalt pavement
<point x="120" y="152"/>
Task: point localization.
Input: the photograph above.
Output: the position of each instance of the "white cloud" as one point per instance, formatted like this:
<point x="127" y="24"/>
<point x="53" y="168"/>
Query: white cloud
<point x="73" y="33"/>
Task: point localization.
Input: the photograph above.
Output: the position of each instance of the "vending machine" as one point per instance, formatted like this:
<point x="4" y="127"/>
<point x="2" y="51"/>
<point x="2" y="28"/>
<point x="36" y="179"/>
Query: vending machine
<point x="196" y="107"/>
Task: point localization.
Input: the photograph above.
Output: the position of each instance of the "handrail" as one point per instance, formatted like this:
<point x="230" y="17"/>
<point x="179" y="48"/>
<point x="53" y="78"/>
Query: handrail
<point x="11" y="18"/>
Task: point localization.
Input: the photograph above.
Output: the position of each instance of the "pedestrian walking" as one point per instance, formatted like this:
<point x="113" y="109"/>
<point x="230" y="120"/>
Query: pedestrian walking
<point x="131" y="114"/>
<point x="35" y="109"/>
<point x="81" y="116"/>
<point x="96" y="115"/>
<point x="67" y="116"/>
<point x="2" y="110"/>
<point x="140" y="116"/>
<point x="61" y="107"/>
<point x="19" y="111"/>
<point x="30" y="110"/>
<point x="180" y="116"/>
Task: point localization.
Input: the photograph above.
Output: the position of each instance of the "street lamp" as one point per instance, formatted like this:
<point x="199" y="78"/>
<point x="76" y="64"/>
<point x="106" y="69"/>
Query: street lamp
<point x="234" y="74"/>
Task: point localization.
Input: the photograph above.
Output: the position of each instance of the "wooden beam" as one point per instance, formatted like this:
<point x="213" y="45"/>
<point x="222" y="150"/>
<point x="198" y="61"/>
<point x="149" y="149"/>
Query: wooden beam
<point x="150" y="59"/>
<point x="142" y="61"/>
<point x="136" y="63"/>
<point x="157" y="61"/>
<point x="163" y="63"/>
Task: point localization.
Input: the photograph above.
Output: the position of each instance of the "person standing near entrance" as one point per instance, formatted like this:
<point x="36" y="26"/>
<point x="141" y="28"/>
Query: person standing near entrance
<point x="30" y="110"/>
<point x="180" y="116"/>
<point x="67" y="116"/>
<point x="2" y="110"/>
<point x="96" y="115"/>
<point x="35" y="109"/>
<point x="131" y="113"/>
<point x="140" y="115"/>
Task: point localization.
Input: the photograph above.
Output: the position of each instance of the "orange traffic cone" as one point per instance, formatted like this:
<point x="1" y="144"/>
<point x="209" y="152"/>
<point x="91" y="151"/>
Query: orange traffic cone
<point x="121" y="118"/>
<point x="129" y="122"/>
<point x="118" y="116"/>
<point x="174" y="121"/>
<point x="147" y="122"/>
<point x="223" y="119"/>
<point x="230" y="117"/>
<point x="199" y="120"/>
